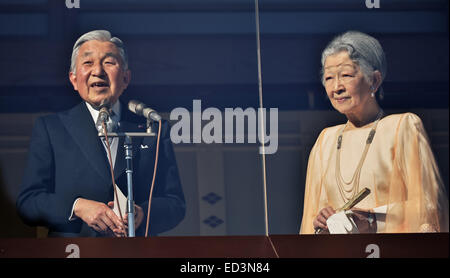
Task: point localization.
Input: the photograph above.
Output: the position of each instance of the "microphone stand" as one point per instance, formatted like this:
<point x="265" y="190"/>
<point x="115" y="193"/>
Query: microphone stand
<point x="129" y="170"/>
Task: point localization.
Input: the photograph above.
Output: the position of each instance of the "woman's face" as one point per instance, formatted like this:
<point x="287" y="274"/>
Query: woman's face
<point x="346" y="87"/>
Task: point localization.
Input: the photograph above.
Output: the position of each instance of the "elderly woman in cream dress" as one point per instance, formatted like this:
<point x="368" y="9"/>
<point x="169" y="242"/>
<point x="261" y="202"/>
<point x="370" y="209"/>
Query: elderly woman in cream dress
<point x="388" y="154"/>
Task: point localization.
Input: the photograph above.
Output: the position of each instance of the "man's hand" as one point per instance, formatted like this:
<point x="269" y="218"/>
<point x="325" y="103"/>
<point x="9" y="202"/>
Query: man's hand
<point x="99" y="217"/>
<point x="321" y="219"/>
<point x="138" y="216"/>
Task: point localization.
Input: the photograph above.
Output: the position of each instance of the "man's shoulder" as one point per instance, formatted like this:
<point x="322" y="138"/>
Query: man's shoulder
<point x="75" y="109"/>
<point x="53" y="118"/>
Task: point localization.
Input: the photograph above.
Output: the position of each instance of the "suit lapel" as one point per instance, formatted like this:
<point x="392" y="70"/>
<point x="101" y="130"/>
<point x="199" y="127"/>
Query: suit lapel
<point x="79" y="124"/>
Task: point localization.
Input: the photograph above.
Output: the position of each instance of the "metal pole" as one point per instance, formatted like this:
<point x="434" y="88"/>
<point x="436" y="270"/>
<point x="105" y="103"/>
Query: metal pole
<point x="129" y="171"/>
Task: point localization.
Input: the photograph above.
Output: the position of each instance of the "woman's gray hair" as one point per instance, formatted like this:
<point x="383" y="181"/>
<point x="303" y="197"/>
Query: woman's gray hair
<point x="98" y="35"/>
<point x="362" y="49"/>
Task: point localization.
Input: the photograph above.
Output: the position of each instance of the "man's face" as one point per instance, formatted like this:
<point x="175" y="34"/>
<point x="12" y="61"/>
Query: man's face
<point x="100" y="73"/>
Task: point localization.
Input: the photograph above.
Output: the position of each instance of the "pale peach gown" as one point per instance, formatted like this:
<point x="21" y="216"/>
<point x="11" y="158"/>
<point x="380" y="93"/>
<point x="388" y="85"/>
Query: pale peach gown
<point x="399" y="169"/>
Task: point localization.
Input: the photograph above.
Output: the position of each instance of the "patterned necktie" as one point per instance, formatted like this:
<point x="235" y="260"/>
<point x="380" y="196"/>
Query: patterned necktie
<point x="111" y="126"/>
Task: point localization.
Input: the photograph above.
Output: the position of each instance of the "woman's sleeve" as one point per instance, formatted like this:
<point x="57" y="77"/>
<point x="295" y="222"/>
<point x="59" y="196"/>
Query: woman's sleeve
<point x="417" y="199"/>
<point x="313" y="187"/>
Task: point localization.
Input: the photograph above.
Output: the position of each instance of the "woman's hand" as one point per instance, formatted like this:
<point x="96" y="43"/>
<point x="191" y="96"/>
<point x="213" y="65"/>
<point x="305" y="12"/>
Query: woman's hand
<point x="365" y="220"/>
<point x="321" y="219"/>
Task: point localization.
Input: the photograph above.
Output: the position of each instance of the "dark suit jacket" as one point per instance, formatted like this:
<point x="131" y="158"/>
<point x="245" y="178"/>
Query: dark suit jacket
<point x="67" y="160"/>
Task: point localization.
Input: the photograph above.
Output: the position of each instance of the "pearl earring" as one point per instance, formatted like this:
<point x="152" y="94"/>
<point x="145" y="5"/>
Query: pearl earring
<point x="372" y="94"/>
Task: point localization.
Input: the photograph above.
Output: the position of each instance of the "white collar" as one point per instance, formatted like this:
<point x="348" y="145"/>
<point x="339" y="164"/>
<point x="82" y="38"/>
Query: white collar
<point x="115" y="108"/>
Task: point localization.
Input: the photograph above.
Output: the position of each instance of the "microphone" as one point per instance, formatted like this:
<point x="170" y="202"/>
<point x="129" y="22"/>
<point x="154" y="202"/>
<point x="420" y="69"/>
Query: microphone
<point x="103" y="115"/>
<point x="139" y="108"/>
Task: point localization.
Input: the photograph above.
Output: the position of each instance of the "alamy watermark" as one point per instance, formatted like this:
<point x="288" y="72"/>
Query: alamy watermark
<point x="70" y="4"/>
<point x="370" y="4"/>
<point x="214" y="131"/>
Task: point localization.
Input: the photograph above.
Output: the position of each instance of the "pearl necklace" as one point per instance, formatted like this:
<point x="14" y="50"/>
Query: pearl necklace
<point x="347" y="194"/>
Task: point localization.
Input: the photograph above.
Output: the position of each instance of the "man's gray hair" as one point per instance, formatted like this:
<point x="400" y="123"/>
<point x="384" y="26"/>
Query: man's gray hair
<point x="98" y="35"/>
<point x="362" y="49"/>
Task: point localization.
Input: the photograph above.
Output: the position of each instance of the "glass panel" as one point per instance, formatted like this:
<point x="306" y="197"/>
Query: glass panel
<point x="192" y="61"/>
<point x="293" y="35"/>
<point x="23" y="24"/>
<point x="4" y="2"/>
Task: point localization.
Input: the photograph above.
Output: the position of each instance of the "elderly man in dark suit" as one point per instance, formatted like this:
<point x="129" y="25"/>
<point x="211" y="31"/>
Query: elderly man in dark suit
<point x="67" y="184"/>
